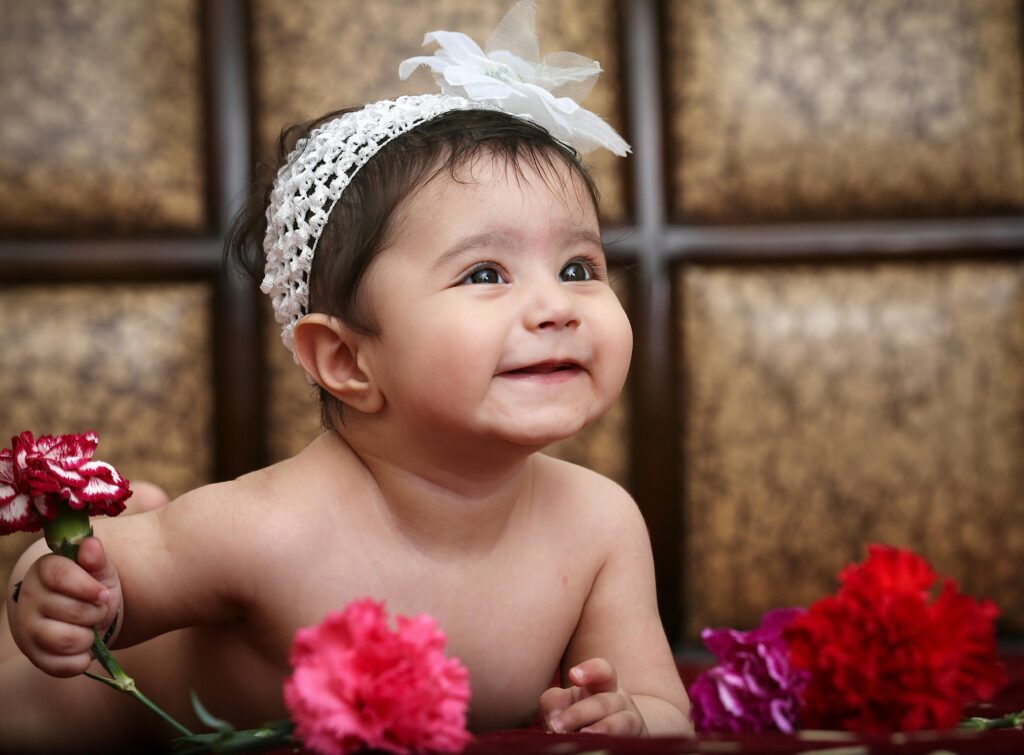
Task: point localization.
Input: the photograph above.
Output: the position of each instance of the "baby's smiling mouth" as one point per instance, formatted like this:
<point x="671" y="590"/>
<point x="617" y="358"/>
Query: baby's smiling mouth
<point x="545" y="368"/>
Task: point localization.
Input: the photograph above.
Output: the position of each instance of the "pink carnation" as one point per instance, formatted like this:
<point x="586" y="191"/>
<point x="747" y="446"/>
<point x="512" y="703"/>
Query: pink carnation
<point x="35" y="475"/>
<point x="358" y="683"/>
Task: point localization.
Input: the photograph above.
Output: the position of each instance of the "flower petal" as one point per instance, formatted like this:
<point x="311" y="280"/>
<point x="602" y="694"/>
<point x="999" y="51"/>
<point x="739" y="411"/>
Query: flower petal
<point x="589" y="132"/>
<point x="782" y="715"/>
<point x="566" y="74"/>
<point x="459" y="47"/>
<point x="71" y="450"/>
<point x="512" y="67"/>
<point x="98" y="489"/>
<point x="407" y="66"/>
<point x="476" y="86"/>
<point x="8" y="493"/>
<point x="104" y="471"/>
<point x="515" y="33"/>
<point x="7" y="477"/>
<point x="46" y="506"/>
<point x="64" y="475"/>
<point x="729" y="700"/>
<point x="18" y="515"/>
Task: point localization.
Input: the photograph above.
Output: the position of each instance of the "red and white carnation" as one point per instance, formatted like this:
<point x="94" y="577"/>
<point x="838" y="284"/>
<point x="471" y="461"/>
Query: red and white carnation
<point x="38" y="474"/>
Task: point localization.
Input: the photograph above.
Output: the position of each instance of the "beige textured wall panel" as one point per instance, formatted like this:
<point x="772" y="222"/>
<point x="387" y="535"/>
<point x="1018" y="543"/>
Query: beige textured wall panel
<point x="293" y="408"/>
<point x="828" y="109"/>
<point x="102" y="125"/>
<point x="312" y="57"/>
<point x="294" y="411"/>
<point x="129" y="361"/>
<point x="828" y="408"/>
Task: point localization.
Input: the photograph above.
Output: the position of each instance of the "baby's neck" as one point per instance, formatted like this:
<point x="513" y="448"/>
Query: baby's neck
<point x="449" y="509"/>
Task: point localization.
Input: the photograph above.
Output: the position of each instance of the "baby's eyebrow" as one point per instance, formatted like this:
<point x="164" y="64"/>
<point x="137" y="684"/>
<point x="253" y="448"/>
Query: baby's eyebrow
<point x="578" y="234"/>
<point x="505" y="239"/>
<point x="510" y="239"/>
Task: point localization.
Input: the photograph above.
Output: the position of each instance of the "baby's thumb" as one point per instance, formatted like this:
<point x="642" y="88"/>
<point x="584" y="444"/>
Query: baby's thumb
<point x="93" y="558"/>
<point x="555" y="700"/>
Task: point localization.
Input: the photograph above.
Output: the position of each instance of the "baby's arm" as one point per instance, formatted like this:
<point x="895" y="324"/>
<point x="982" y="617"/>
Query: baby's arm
<point x="45" y="709"/>
<point x="623" y="676"/>
<point x="173" y="569"/>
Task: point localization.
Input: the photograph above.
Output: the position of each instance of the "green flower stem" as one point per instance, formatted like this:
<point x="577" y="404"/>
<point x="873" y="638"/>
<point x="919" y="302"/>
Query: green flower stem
<point x="1011" y="721"/>
<point x="271" y="737"/>
<point x="64" y="534"/>
<point x="120" y="681"/>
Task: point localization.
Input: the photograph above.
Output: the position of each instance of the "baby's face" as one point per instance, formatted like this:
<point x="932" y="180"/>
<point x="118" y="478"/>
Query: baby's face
<point x="496" y="318"/>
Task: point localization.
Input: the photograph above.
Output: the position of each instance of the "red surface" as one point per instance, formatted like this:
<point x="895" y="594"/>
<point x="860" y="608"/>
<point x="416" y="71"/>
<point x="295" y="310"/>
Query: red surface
<point x="527" y="743"/>
<point x="1009" y="700"/>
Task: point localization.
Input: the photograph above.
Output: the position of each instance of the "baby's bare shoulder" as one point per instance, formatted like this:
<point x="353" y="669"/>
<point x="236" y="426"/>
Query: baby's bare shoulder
<point x="252" y="507"/>
<point x="587" y="496"/>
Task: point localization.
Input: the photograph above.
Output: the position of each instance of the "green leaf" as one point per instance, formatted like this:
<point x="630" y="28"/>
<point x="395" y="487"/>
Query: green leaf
<point x="273" y="736"/>
<point x="208" y="718"/>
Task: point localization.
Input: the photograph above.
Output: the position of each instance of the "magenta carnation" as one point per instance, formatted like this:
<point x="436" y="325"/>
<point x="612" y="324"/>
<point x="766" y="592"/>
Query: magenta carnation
<point x="753" y="688"/>
<point x="358" y="683"/>
<point x="37" y="474"/>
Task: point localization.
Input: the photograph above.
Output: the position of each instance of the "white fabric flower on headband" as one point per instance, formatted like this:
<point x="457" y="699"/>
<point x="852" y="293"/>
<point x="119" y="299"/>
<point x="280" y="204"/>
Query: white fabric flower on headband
<point x="511" y="76"/>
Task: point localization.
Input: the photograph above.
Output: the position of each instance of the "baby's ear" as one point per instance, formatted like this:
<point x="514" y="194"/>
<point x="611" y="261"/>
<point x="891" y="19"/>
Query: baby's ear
<point x="330" y="352"/>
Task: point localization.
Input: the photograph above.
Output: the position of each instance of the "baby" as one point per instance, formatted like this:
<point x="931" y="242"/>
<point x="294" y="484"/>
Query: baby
<point x="437" y="265"/>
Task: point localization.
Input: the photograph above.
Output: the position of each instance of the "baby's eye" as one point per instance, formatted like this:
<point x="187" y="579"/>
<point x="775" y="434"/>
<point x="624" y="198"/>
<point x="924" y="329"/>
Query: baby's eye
<point x="487" y="274"/>
<point x="577" y="270"/>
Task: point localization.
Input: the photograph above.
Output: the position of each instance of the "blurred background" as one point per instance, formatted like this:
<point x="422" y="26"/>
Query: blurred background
<point x="819" y="241"/>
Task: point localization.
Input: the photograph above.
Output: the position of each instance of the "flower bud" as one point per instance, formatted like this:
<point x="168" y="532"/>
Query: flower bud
<point x="66" y="531"/>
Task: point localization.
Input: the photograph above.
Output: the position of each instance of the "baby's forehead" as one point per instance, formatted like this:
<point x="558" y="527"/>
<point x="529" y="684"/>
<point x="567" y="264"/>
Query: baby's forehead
<point x="487" y="176"/>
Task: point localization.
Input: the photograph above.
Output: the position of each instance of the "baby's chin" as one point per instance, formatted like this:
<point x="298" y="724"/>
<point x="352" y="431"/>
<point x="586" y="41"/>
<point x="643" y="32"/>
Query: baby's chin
<point x="535" y="438"/>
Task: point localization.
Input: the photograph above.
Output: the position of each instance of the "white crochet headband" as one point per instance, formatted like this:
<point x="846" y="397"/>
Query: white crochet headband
<point x="510" y="77"/>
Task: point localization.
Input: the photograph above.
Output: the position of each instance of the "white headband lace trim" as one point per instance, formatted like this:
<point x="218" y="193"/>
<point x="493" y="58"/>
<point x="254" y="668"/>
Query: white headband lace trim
<point x="510" y="76"/>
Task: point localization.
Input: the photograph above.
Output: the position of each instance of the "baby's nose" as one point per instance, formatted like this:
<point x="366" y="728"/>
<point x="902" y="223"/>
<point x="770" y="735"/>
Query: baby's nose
<point x="552" y="308"/>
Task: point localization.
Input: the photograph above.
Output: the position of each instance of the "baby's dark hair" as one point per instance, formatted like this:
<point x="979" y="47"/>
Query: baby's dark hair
<point x="358" y="227"/>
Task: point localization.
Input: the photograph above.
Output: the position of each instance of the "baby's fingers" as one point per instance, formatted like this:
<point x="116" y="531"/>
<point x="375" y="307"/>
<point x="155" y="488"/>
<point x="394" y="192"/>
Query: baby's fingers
<point x="553" y="702"/>
<point x="597" y="675"/>
<point x="61" y="649"/>
<point x="625" y="723"/>
<point x="64" y="576"/>
<point x="70" y="611"/>
<point x="587" y="711"/>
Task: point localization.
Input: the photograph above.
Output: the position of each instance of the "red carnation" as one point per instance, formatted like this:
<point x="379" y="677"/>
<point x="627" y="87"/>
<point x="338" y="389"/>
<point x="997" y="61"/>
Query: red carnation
<point x="359" y="684"/>
<point x="885" y="656"/>
<point x="37" y="475"/>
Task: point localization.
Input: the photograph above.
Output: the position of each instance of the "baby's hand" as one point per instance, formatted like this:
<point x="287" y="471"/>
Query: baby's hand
<point x="596" y="703"/>
<point x="58" y="605"/>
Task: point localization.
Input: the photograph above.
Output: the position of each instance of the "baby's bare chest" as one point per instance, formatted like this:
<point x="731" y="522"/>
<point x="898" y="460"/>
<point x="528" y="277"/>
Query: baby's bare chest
<point x="509" y="620"/>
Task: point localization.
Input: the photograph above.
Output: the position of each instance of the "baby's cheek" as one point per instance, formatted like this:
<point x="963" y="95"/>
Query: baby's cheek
<point x="441" y="371"/>
<point x="617" y="347"/>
